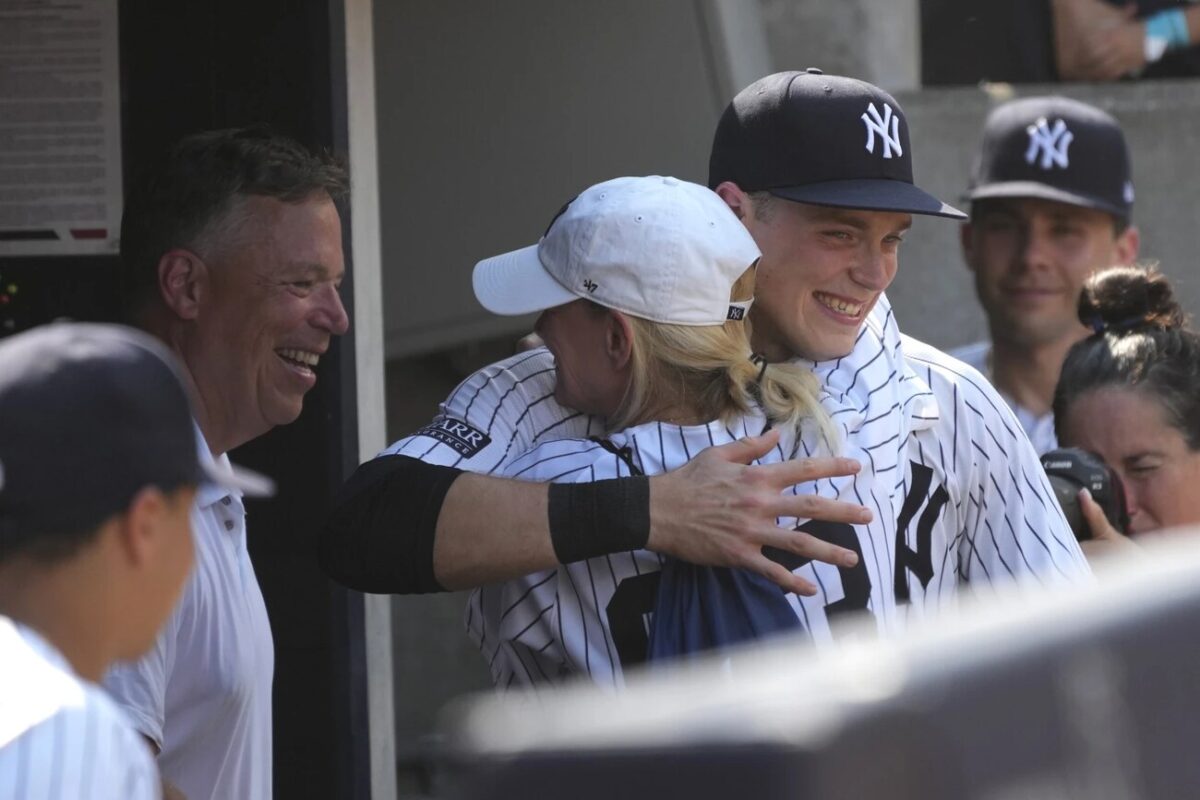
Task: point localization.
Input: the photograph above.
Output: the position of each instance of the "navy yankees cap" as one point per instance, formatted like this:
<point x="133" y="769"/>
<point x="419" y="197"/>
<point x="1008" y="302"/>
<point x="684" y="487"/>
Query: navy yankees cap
<point x="821" y="139"/>
<point x="1054" y="148"/>
<point x="89" y="415"/>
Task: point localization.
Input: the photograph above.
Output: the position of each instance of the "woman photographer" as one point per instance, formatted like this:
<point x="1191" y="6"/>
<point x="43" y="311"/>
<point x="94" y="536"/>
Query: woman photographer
<point x="1130" y="393"/>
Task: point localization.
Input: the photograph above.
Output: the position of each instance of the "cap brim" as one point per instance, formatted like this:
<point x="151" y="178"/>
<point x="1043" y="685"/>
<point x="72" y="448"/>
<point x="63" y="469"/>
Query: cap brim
<point x="517" y="283"/>
<point x="995" y="191"/>
<point x="870" y="195"/>
<point x="240" y="479"/>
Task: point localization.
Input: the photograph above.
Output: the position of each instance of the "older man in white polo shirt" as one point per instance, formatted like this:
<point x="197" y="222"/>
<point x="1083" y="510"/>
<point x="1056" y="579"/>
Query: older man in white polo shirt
<point x="232" y="248"/>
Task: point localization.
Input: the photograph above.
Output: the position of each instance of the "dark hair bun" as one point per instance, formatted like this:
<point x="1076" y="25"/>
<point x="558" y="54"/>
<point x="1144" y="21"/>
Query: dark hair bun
<point x="1121" y="299"/>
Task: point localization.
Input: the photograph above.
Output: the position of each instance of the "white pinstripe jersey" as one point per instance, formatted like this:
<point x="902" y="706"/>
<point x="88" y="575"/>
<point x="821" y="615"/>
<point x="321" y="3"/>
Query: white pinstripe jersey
<point x="62" y="738"/>
<point x="495" y="415"/>
<point x="958" y="494"/>
<point x="959" y="497"/>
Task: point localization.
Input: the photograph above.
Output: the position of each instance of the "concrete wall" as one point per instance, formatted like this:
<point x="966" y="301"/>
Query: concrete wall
<point x="492" y="115"/>
<point x="875" y="40"/>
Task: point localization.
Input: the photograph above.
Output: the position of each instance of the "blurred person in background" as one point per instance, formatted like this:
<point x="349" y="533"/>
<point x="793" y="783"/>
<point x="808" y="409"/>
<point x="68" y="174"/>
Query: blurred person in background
<point x="1104" y="40"/>
<point x="1130" y="393"/>
<point x="1051" y="202"/>
<point x="968" y="42"/>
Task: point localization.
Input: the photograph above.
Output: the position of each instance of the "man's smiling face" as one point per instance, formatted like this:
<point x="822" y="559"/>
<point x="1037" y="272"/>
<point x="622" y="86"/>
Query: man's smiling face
<point x="1031" y="257"/>
<point x="821" y="272"/>
<point x="271" y="309"/>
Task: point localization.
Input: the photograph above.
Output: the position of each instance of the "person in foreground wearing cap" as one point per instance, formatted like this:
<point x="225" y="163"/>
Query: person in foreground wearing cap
<point x="643" y="286"/>
<point x="232" y="251"/>
<point x="1051" y="202"/>
<point x="98" y="471"/>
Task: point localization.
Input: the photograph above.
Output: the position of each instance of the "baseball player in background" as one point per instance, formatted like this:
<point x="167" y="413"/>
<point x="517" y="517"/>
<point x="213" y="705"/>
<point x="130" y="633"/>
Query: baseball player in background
<point x="98" y="471"/>
<point x="1051" y="202"/>
<point x="958" y="494"/>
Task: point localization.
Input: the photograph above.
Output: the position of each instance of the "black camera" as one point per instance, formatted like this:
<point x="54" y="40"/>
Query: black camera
<point x="1071" y="469"/>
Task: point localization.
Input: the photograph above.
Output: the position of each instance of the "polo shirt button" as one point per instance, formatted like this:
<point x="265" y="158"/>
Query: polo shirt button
<point x="226" y="500"/>
<point x="228" y="524"/>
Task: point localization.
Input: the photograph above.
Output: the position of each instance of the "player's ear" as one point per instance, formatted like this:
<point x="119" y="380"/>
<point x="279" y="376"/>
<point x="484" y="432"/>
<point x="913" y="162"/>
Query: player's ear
<point x="138" y="527"/>
<point x="738" y="201"/>
<point x="618" y="339"/>
<point x="182" y="281"/>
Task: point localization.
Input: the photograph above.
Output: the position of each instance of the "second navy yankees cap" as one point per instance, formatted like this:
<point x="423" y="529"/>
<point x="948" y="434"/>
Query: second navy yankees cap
<point x="89" y="415"/>
<point x="821" y="139"/>
<point x="1054" y="148"/>
<point x="654" y="247"/>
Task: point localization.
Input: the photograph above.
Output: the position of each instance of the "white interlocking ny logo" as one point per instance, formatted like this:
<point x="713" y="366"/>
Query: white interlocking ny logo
<point x="1052" y="142"/>
<point x="888" y="128"/>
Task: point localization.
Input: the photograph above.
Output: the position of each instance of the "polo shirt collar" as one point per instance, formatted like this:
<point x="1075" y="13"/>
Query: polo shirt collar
<point x="210" y="493"/>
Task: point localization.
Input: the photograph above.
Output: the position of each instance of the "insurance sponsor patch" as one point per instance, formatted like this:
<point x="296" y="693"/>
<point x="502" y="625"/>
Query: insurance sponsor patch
<point x="457" y="435"/>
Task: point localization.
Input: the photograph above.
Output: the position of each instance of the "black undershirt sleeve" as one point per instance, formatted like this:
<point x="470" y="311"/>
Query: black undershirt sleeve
<point x="379" y="536"/>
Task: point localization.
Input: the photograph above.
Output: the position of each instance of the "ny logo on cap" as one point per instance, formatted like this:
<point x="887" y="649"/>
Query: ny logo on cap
<point x="887" y="126"/>
<point x="1051" y="142"/>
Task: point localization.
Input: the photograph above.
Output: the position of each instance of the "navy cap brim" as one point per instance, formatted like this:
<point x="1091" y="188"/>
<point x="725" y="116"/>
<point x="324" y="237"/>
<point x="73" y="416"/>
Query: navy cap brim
<point x="870" y="195"/>
<point x="1011" y="189"/>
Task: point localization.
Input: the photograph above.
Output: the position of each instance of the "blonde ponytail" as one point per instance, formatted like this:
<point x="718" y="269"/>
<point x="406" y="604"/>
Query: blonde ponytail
<point x="708" y="370"/>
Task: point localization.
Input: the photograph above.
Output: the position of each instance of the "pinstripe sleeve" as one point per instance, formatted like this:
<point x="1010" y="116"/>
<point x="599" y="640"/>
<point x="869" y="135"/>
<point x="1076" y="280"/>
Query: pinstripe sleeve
<point x="84" y="750"/>
<point x="1011" y="525"/>
<point x="501" y="411"/>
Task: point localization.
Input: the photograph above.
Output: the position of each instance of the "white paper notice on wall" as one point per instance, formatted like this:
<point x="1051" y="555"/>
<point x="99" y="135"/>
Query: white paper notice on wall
<point x="60" y="127"/>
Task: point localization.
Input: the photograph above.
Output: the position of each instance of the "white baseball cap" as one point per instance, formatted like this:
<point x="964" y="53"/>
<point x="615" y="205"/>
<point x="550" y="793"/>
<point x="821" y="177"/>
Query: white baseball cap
<point x="654" y="247"/>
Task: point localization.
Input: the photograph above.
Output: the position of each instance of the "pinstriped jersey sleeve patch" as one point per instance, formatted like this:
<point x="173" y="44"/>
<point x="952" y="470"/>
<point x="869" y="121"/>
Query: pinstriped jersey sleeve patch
<point x="464" y="439"/>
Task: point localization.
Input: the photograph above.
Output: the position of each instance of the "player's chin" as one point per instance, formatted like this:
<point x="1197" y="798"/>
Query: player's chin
<point x="829" y="344"/>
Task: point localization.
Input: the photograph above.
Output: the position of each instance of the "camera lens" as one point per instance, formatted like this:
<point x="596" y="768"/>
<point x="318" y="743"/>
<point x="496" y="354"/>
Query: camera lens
<point x="1067" y="492"/>
<point x="1071" y="469"/>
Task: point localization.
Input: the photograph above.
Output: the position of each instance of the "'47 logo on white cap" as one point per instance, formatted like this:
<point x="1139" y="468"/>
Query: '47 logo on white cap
<point x="887" y="125"/>
<point x="1052" y="142"/>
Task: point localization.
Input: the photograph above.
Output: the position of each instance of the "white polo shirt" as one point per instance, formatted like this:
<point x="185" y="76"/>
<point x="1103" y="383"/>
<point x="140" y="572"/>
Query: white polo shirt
<point x="1038" y="427"/>
<point x="203" y="692"/>
<point x="61" y="738"/>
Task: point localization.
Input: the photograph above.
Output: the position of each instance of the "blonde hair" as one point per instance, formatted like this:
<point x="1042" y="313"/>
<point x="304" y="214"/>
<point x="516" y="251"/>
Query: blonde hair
<point x="708" y="369"/>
